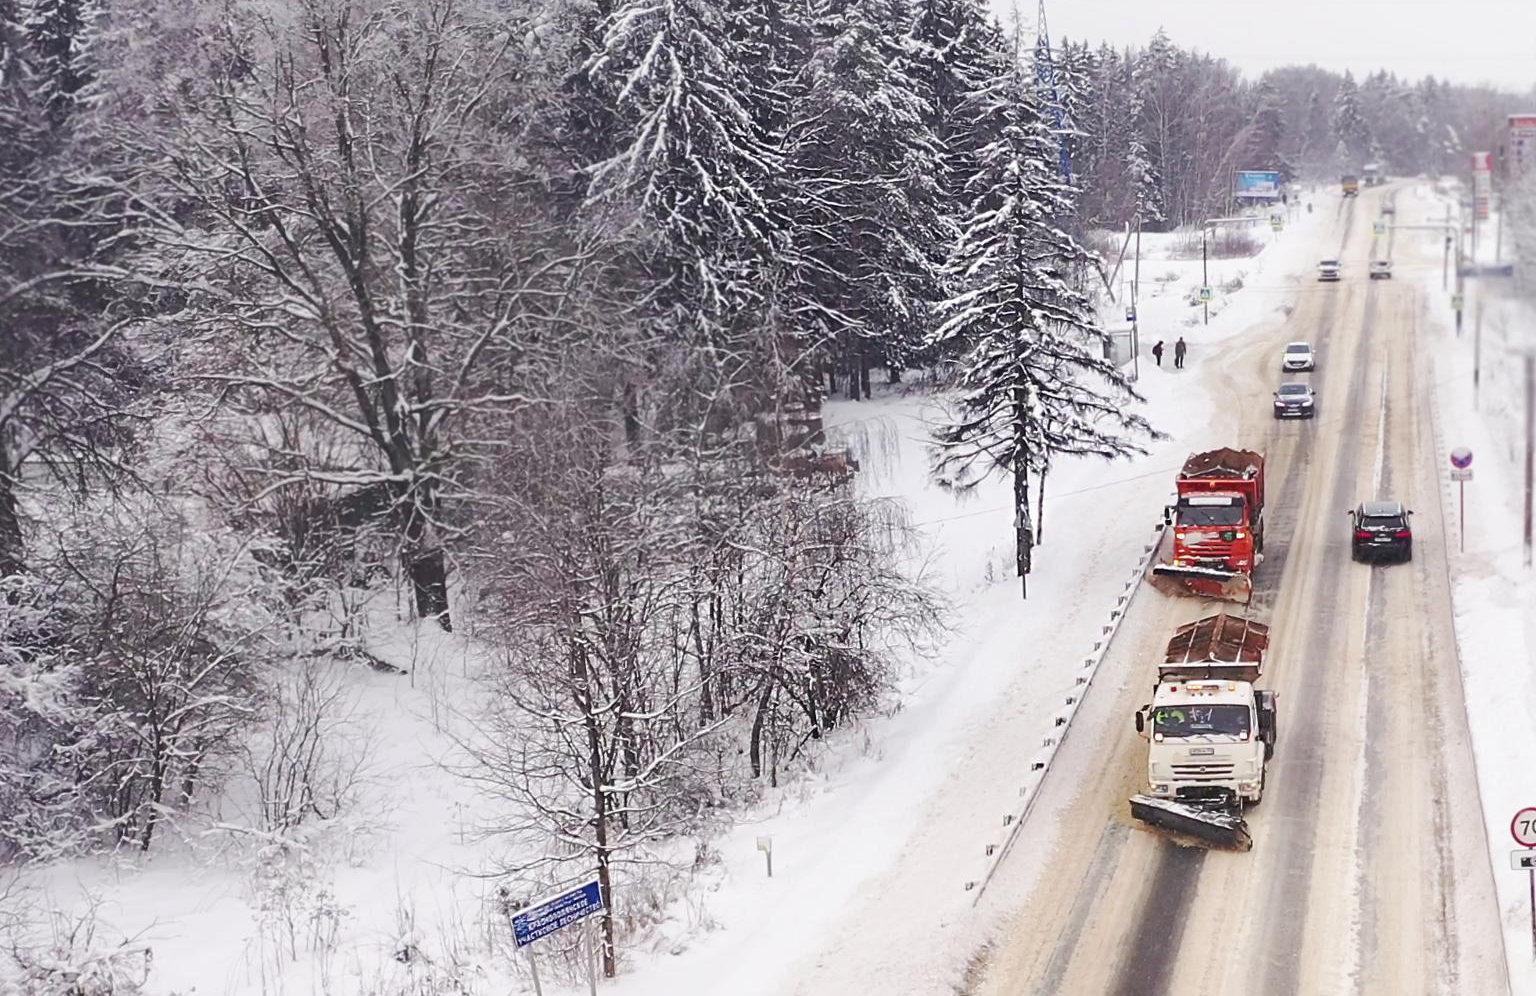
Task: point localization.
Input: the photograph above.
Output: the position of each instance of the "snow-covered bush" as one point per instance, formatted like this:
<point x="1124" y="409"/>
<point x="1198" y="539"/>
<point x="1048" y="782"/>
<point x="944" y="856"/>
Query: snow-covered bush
<point x="133" y="657"/>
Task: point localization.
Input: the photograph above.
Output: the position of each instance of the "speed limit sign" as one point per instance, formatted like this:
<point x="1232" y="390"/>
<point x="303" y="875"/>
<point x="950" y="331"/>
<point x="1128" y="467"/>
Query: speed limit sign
<point x="1523" y="827"/>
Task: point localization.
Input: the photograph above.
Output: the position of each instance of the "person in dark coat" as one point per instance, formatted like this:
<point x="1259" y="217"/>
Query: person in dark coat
<point x="1157" y="352"/>
<point x="1179" y="349"/>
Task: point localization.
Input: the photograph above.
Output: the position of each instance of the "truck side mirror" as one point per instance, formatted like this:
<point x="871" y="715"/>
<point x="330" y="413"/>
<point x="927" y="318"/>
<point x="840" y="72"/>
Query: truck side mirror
<point x="1141" y="720"/>
<point x="1167" y="515"/>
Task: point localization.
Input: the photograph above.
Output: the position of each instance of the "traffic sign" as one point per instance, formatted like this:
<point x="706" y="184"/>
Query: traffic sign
<point x="1457" y="300"/>
<point x="1523" y="827"/>
<point x="1381" y="228"/>
<point x="1461" y="457"/>
<point x="1522" y="860"/>
<point x="555" y="912"/>
<point x="1205" y="294"/>
<point x="1130" y="314"/>
<point x="1461" y="473"/>
<point x="1276" y="222"/>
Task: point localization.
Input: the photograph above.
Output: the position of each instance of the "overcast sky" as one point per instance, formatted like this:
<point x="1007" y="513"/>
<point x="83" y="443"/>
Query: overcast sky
<point x="1466" y="41"/>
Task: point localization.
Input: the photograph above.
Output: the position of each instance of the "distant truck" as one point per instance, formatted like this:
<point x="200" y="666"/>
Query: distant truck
<point x="1210" y="732"/>
<point x="1218" y="526"/>
<point x="1371" y="173"/>
<point x="1351" y="185"/>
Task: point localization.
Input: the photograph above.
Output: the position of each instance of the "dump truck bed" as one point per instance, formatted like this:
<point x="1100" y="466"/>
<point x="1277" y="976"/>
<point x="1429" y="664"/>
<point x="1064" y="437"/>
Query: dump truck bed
<point x="1218" y="639"/>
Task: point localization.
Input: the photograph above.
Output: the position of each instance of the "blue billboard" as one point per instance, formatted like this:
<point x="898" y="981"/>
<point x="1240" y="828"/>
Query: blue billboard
<point x="1257" y="183"/>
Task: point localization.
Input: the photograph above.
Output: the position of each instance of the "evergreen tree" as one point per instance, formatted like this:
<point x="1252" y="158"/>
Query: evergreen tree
<point x="956" y="52"/>
<point x="1349" y="124"/>
<point x="1035" y="382"/>
<point x="59" y="33"/>
<point x="691" y="158"/>
<point x="1263" y="141"/>
<point x="868" y="198"/>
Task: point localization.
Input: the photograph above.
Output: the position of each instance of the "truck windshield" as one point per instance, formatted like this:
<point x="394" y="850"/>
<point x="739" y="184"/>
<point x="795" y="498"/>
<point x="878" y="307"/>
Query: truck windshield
<point x="1211" y="515"/>
<point x="1198" y="720"/>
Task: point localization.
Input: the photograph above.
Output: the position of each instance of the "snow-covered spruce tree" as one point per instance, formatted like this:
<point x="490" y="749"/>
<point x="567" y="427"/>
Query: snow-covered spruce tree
<point x="59" y="32"/>
<point x="1033" y="379"/>
<point x="868" y="200"/>
<point x="1349" y="124"/>
<point x="692" y="160"/>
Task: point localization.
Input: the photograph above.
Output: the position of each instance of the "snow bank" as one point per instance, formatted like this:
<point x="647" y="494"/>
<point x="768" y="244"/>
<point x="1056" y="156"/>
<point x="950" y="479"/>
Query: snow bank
<point x="1494" y="592"/>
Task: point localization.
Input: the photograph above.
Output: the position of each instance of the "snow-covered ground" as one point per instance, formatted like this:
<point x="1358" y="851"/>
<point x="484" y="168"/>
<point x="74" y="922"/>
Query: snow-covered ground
<point x="1495" y="591"/>
<point x="872" y="847"/>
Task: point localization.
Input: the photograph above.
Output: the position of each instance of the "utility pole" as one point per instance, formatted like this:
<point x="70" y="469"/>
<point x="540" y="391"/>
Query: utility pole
<point x="1205" y="277"/>
<point x="1477" y="352"/>
<point x="1530" y="445"/>
<point x="1136" y="307"/>
<point x="1445" y="264"/>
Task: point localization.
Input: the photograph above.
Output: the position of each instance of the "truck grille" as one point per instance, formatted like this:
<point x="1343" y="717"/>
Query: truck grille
<point x="1204" y="772"/>
<point x="1213" y="550"/>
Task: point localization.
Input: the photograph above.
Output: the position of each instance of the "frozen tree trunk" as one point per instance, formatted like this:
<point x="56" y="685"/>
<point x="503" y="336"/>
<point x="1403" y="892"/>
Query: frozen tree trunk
<point x="1023" y="529"/>
<point x="12" y="554"/>
<point x="1040" y="509"/>
<point x="601" y="851"/>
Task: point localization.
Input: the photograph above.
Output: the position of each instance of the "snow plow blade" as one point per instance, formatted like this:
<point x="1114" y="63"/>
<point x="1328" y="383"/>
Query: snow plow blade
<point x="1206" y="582"/>
<point x="1194" y="823"/>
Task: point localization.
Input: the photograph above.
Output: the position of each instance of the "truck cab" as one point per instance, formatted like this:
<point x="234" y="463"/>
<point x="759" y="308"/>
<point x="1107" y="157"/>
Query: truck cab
<point x="1214" y="528"/>
<point x="1207" y="738"/>
<point x="1210" y="731"/>
<point x="1350" y="184"/>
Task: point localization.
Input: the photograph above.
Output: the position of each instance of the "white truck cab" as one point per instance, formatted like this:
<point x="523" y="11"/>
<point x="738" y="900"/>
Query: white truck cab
<point x="1210" y="732"/>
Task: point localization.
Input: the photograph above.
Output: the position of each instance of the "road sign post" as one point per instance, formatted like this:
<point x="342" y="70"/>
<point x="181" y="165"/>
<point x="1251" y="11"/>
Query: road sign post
<point x="553" y="913"/>
<point x="1461" y="473"/>
<point x="1523" y="829"/>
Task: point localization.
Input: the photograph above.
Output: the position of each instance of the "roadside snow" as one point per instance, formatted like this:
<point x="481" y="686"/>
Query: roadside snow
<point x="1494" y="592"/>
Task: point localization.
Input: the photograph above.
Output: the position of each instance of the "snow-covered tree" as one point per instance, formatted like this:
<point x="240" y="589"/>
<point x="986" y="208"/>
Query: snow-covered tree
<point x="59" y="33"/>
<point x="691" y="156"/>
<point x="1035" y="384"/>
<point x="868" y="197"/>
<point x="1349" y="125"/>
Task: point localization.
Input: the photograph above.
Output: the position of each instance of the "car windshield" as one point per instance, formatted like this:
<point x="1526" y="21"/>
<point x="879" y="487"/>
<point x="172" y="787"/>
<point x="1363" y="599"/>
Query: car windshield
<point x="1201" y="720"/>
<point x="1210" y="515"/>
<point x="1293" y="390"/>
<point x="1329" y="262"/>
<point x="1383" y="522"/>
<point x="1298" y="347"/>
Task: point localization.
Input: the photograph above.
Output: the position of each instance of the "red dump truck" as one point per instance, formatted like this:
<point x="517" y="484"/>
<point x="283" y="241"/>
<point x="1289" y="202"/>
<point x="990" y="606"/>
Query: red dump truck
<point x="1218" y="526"/>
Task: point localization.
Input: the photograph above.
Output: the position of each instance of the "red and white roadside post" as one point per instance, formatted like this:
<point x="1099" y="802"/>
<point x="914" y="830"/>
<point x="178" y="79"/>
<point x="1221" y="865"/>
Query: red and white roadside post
<point x="1523" y="829"/>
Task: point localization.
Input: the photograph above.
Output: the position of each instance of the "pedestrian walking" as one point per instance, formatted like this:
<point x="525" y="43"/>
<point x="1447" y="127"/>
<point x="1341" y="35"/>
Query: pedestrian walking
<point x="1179" y="349"/>
<point x="1157" y="352"/>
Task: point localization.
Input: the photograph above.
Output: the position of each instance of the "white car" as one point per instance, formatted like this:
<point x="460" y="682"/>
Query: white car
<point x="1328" y="270"/>
<point x="1381" y="269"/>
<point x="1298" y="356"/>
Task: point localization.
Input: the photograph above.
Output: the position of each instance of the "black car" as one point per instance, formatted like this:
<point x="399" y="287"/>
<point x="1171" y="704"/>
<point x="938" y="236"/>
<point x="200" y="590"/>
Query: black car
<point x="1381" y="528"/>
<point x="1295" y="400"/>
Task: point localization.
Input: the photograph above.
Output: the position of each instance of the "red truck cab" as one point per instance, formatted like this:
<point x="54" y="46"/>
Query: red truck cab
<point x="1218" y="525"/>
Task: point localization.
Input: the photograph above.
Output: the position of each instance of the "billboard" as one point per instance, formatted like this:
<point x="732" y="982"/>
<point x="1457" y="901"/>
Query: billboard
<point x="1522" y="143"/>
<point x="1482" y="183"/>
<point x="1259" y="183"/>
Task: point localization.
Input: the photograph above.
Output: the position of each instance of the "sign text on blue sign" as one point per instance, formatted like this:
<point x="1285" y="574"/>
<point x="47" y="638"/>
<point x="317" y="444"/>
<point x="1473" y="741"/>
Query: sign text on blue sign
<point x="549" y="915"/>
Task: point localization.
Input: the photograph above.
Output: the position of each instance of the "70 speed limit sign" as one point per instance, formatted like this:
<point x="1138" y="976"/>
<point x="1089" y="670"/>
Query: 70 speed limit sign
<point x="1523" y="827"/>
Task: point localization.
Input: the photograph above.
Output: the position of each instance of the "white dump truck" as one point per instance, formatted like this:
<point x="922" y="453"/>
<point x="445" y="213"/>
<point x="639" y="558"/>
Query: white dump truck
<point x="1210" y="732"/>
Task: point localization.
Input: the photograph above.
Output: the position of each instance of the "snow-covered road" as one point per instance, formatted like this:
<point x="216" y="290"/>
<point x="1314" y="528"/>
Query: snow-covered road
<point x="1370" y="870"/>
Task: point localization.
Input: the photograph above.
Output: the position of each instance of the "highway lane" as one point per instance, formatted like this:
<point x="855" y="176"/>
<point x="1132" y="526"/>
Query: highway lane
<point x="1368" y="870"/>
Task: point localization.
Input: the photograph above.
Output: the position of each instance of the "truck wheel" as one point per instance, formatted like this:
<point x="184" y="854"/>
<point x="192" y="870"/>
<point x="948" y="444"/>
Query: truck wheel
<point x="1258" y="539"/>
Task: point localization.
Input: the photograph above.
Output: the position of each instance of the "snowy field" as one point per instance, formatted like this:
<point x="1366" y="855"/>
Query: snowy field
<point x="1494" y="590"/>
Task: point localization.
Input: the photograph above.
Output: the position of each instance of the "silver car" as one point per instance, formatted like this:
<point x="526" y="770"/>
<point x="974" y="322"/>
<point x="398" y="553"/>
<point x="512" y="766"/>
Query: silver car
<point x="1298" y="356"/>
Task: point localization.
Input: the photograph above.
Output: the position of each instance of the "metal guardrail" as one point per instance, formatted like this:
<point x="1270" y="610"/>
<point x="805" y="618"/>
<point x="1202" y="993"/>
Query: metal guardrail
<point x="1061" y="721"/>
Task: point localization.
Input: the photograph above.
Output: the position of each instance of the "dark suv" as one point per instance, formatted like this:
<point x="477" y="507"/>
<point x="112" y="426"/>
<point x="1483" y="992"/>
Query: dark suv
<point x="1381" y="528"/>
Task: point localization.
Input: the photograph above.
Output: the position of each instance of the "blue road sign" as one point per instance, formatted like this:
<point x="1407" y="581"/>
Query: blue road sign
<point x="1260" y="183"/>
<point x="555" y="912"/>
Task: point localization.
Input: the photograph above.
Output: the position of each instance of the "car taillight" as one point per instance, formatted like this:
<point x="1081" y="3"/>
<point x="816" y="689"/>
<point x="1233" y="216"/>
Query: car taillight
<point x="1404" y="534"/>
<point x="1362" y="534"/>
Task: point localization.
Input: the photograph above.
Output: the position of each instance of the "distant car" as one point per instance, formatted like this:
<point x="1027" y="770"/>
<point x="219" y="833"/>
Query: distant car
<point x="1328" y="270"/>
<point x="1381" y="528"/>
<point x="1387" y="208"/>
<point x="1381" y="269"/>
<point x="1298" y="356"/>
<point x="1295" y="400"/>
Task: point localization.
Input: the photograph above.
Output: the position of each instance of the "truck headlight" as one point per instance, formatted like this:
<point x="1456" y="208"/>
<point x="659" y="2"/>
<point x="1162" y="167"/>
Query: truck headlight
<point x="1158" y="788"/>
